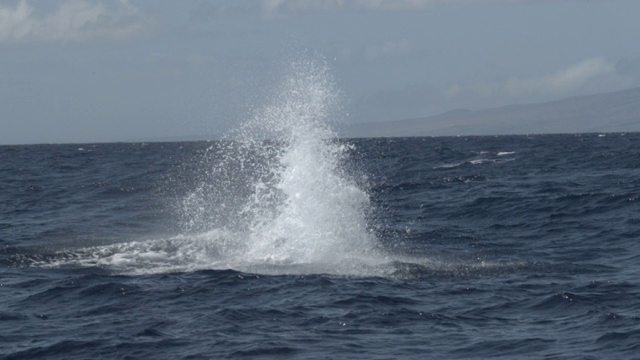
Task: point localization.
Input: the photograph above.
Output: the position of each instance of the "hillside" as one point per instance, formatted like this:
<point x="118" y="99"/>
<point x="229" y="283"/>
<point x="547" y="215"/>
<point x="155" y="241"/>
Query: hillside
<point x="609" y="112"/>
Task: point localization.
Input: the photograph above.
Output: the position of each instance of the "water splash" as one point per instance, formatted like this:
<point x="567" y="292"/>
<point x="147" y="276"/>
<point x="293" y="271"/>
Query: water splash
<point x="274" y="197"/>
<point x="309" y="210"/>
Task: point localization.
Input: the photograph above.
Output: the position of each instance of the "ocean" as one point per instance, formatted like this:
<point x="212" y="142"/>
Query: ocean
<point x="283" y="241"/>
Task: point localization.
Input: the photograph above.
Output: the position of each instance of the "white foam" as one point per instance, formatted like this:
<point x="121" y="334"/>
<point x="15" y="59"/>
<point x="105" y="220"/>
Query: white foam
<point x="448" y="166"/>
<point x="214" y="250"/>
<point x="480" y="161"/>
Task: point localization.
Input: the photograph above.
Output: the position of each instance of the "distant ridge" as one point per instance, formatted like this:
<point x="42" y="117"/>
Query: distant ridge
<point x="607" y="112"/>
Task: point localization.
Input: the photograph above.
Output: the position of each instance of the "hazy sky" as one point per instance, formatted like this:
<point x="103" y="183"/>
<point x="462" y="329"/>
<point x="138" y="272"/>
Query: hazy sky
<point x="91" y="70"/>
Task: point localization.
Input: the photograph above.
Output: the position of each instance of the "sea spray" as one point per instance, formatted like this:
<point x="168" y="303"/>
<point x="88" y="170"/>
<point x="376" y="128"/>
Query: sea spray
<point x="274" y="197"/>
<point x="315" y="212"/>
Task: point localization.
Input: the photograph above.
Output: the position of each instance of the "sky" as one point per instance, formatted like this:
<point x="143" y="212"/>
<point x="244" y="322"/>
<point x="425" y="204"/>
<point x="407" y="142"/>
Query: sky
<point x="82" y="71"/>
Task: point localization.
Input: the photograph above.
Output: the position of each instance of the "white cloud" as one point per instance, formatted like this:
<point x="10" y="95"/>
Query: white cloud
<point x="596" y="74"/>
<point x="72" y="21"/>
<point x="576" y="75"/>
<point x="275" y="8"/>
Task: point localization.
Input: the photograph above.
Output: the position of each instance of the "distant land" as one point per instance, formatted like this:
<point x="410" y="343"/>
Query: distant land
<point x="608" y="112"/>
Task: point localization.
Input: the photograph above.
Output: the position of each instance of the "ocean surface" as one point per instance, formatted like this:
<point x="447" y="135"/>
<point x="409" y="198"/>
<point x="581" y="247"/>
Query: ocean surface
<point x="307" y="247"/>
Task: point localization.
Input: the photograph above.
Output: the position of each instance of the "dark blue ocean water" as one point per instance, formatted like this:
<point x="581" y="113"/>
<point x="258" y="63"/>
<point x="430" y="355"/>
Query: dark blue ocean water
<point x="509" y="247"/>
